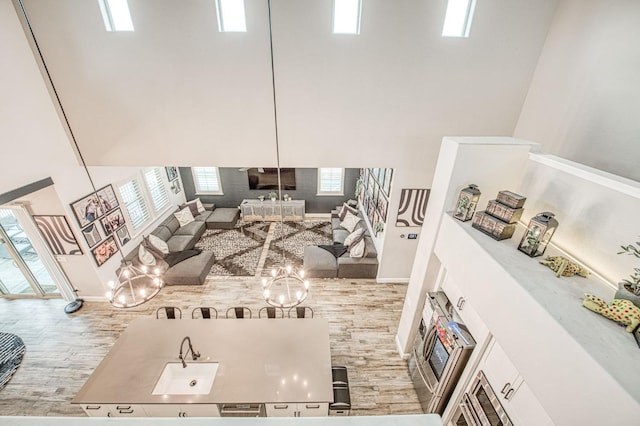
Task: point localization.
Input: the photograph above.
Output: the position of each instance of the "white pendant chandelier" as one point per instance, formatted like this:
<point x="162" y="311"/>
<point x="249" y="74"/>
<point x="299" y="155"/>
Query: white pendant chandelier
<point x="286" y="286"/>
<point x="135" y="285"/>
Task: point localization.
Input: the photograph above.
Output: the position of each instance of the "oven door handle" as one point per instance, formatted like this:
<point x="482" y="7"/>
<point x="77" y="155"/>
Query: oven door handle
<point x="468" y="413"/>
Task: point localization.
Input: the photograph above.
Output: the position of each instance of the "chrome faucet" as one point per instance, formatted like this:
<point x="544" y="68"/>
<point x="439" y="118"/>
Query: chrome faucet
<point x="194" y="355"/>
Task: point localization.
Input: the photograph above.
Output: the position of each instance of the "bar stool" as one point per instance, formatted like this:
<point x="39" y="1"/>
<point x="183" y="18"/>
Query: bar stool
<point x="300" y="312"/>
<point x="204" y="312"/>
<point x="169" y="312"/>
<point x="270" y="312"/>
<point x="238" y="312"/>
<point x="339" y="375"/>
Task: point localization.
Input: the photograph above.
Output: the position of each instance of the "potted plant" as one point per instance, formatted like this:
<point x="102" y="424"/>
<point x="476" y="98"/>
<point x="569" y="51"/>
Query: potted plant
<point x="273" y="195"/>
<point x="629" y="288"/>
<point x="261" y="197"/>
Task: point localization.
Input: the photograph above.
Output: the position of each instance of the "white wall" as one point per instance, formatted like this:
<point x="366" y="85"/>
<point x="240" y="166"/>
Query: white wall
<point x="583" y="101"/>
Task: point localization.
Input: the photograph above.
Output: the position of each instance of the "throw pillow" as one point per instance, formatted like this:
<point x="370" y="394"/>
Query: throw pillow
<point x="160" y="245"/>
<point x="357" y="249"/>
<point x="354" y="237"/>
<point x="145" y="256"/>
<point x="199" y="204"/>
<point x="346" y="208"/>
<point x="193" y="207"/>
<point x="350" y="221"/>
<point x="151" y="248"/>
<point x="184" y="216"/>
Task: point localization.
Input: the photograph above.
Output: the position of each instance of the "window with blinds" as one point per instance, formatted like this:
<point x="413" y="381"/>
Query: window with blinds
<point x="133" y="201"/>
<point x="206" y="180"/>
<point x="330" y="181"/>
<point x="156" y="188"/>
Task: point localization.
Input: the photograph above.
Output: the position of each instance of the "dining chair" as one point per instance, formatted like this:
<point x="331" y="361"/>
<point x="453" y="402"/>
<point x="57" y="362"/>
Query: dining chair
<point x="238" y="312"/>
<point x="300" y="312"/>
<point x="204" y="312"/>
<point x="170" y="312"/>
<point x="270" y="312"/>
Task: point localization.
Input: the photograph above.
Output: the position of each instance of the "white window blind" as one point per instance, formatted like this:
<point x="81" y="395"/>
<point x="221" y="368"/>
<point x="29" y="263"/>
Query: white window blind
<point x="134" y="203"/>
<point x="330" y="181"/>
<point x="206" y="180"/>
<point x="157" y="190"/>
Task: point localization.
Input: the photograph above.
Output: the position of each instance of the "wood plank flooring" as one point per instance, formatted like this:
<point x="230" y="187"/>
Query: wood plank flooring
<point x="63" y="350"/>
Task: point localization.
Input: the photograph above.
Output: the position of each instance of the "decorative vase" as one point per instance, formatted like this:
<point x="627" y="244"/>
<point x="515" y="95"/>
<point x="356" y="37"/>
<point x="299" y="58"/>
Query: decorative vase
<point x="624" y="293"/>
<point x="261" y="198"/>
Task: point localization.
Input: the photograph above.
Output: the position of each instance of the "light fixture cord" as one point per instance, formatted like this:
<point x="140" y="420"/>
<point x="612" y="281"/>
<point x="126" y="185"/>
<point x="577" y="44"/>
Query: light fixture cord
<point x="275" y="118"/>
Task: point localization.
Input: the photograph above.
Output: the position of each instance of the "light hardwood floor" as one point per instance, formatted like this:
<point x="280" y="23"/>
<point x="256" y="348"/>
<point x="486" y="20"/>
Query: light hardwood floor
<point x="63" y="350"/>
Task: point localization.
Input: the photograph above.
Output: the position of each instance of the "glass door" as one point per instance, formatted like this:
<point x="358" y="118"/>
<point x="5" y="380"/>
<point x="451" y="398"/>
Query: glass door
<point x="22" y="272"/>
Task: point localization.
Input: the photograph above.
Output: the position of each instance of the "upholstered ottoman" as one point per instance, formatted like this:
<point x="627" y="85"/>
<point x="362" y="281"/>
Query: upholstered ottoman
<point x="319" y="263"/>
<point x="192" y="271"/>
<point x="223" y="218"/>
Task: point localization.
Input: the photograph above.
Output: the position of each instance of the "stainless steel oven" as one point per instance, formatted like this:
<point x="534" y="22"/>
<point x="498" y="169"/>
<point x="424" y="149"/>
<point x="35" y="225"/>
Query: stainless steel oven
<point x="439" y="355"/>
<point x="480" y="406"/>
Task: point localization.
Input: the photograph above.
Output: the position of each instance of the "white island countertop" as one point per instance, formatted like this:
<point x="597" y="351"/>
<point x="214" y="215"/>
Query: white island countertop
<point x="260" y="361"/>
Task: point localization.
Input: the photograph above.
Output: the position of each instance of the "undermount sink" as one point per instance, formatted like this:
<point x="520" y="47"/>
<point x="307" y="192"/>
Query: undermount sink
<point x="196" y="379"/>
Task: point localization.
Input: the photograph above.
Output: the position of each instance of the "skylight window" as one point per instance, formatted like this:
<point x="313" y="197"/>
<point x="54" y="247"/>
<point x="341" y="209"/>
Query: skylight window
<point x="457" y="21"/>
<point x="231" y="16"/>
<point x="346" y="16"/>
<point x="116" y="15"/>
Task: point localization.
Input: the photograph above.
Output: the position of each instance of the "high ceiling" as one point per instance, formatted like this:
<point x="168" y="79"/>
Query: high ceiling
<point x="177" y="91"/>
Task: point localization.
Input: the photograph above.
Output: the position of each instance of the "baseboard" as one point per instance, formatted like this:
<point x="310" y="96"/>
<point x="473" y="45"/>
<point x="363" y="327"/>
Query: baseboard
<point x="392" y="280"/>
<point x="403" y="355"/>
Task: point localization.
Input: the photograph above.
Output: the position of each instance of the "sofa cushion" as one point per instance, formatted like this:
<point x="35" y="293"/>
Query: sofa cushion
<point x="145" y="256"/>
<point x="202" y="217"/>
<point x="340" y="235"/>
<point x="181" y="242"/>
<point x="357" y="249"/>
<point x="354" y="237"/>
<point x="163" y="233"/>
<point x="148" y="246"/>
<point x="223" y="218"/>
<point x="346" y="208"/>
<point x="350" y="221"/>
<point x="184" y="216"/>
<point x="171" y="223"/>
<point x="319" y="263"/>
<point x="158" y="243"/>
<point x="192" y="271"/>
<point x="192" y="206"/>
<point x="195" y="229"/>
<point x="370" y="248"/>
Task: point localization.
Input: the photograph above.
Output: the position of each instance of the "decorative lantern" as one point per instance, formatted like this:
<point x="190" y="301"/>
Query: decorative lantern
<point x="539" y="232"/>
<point x="466" y="204"/>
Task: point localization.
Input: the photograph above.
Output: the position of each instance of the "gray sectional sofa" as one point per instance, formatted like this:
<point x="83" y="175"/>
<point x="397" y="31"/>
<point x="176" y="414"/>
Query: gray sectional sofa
<point x="319" y="263"/>
<point x="194" y="270"/>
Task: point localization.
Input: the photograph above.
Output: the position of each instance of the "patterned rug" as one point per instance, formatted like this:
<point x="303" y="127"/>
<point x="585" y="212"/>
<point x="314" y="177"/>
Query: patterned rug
<point x="12" y="351"/>
<point x="297" y="236"/>
<point x="238" y="250"/>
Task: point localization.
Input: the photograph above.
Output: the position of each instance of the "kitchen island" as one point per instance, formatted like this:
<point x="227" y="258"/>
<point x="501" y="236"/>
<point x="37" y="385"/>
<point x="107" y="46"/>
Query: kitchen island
<point x="269" y="363"/>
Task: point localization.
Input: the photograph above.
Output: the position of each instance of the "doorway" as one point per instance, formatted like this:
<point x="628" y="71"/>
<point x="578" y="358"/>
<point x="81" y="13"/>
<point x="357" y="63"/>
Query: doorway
<point x="22" y="271"/>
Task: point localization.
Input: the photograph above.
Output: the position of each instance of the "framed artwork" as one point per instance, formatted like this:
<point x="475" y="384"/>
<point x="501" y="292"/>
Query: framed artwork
<point x="172" y="173"/>
<point x="105" y="250"/>
<point x="371" y="211"/>
<point x="112" y="221"/>
<point x="107" y="198"/>
<point x="123" y="236"/>
<point x="92" y="235"/>
<point x="387" y="181"/>
<point x="371" y="183"/>
<point x="56" y="232"/>
<point x="176" y="187"/>
<point x="413" y="206"/>
<point x="87" y="209"/>
<point x="382" y="208"/>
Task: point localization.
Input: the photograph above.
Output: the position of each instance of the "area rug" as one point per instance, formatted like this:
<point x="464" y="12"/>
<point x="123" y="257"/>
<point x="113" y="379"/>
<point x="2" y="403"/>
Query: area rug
<point x="12" y="351"/>
<point x="297" y="235"/>
<point x="237" y="250"/>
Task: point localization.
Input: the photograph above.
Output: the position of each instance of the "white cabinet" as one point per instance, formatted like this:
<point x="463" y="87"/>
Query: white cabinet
<point x="514" y="394"/>
<point x="181" y="410"/>
<point x="297" y="410"/>
<point x="463" y="307"/>
<point x="114" y="410"/>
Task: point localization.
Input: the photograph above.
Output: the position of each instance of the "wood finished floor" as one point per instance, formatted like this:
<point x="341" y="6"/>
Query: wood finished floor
<point x="63" y="350"/>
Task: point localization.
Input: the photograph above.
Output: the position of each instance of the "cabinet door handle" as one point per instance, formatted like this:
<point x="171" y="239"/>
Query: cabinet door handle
<point x="92" y="407"/>
<point x="313" y="406"/>
<point x="509" y="394"/>
<point x="505" y="389"/>
<point x="129" y="411"/>
<point x="281" y="407"/>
